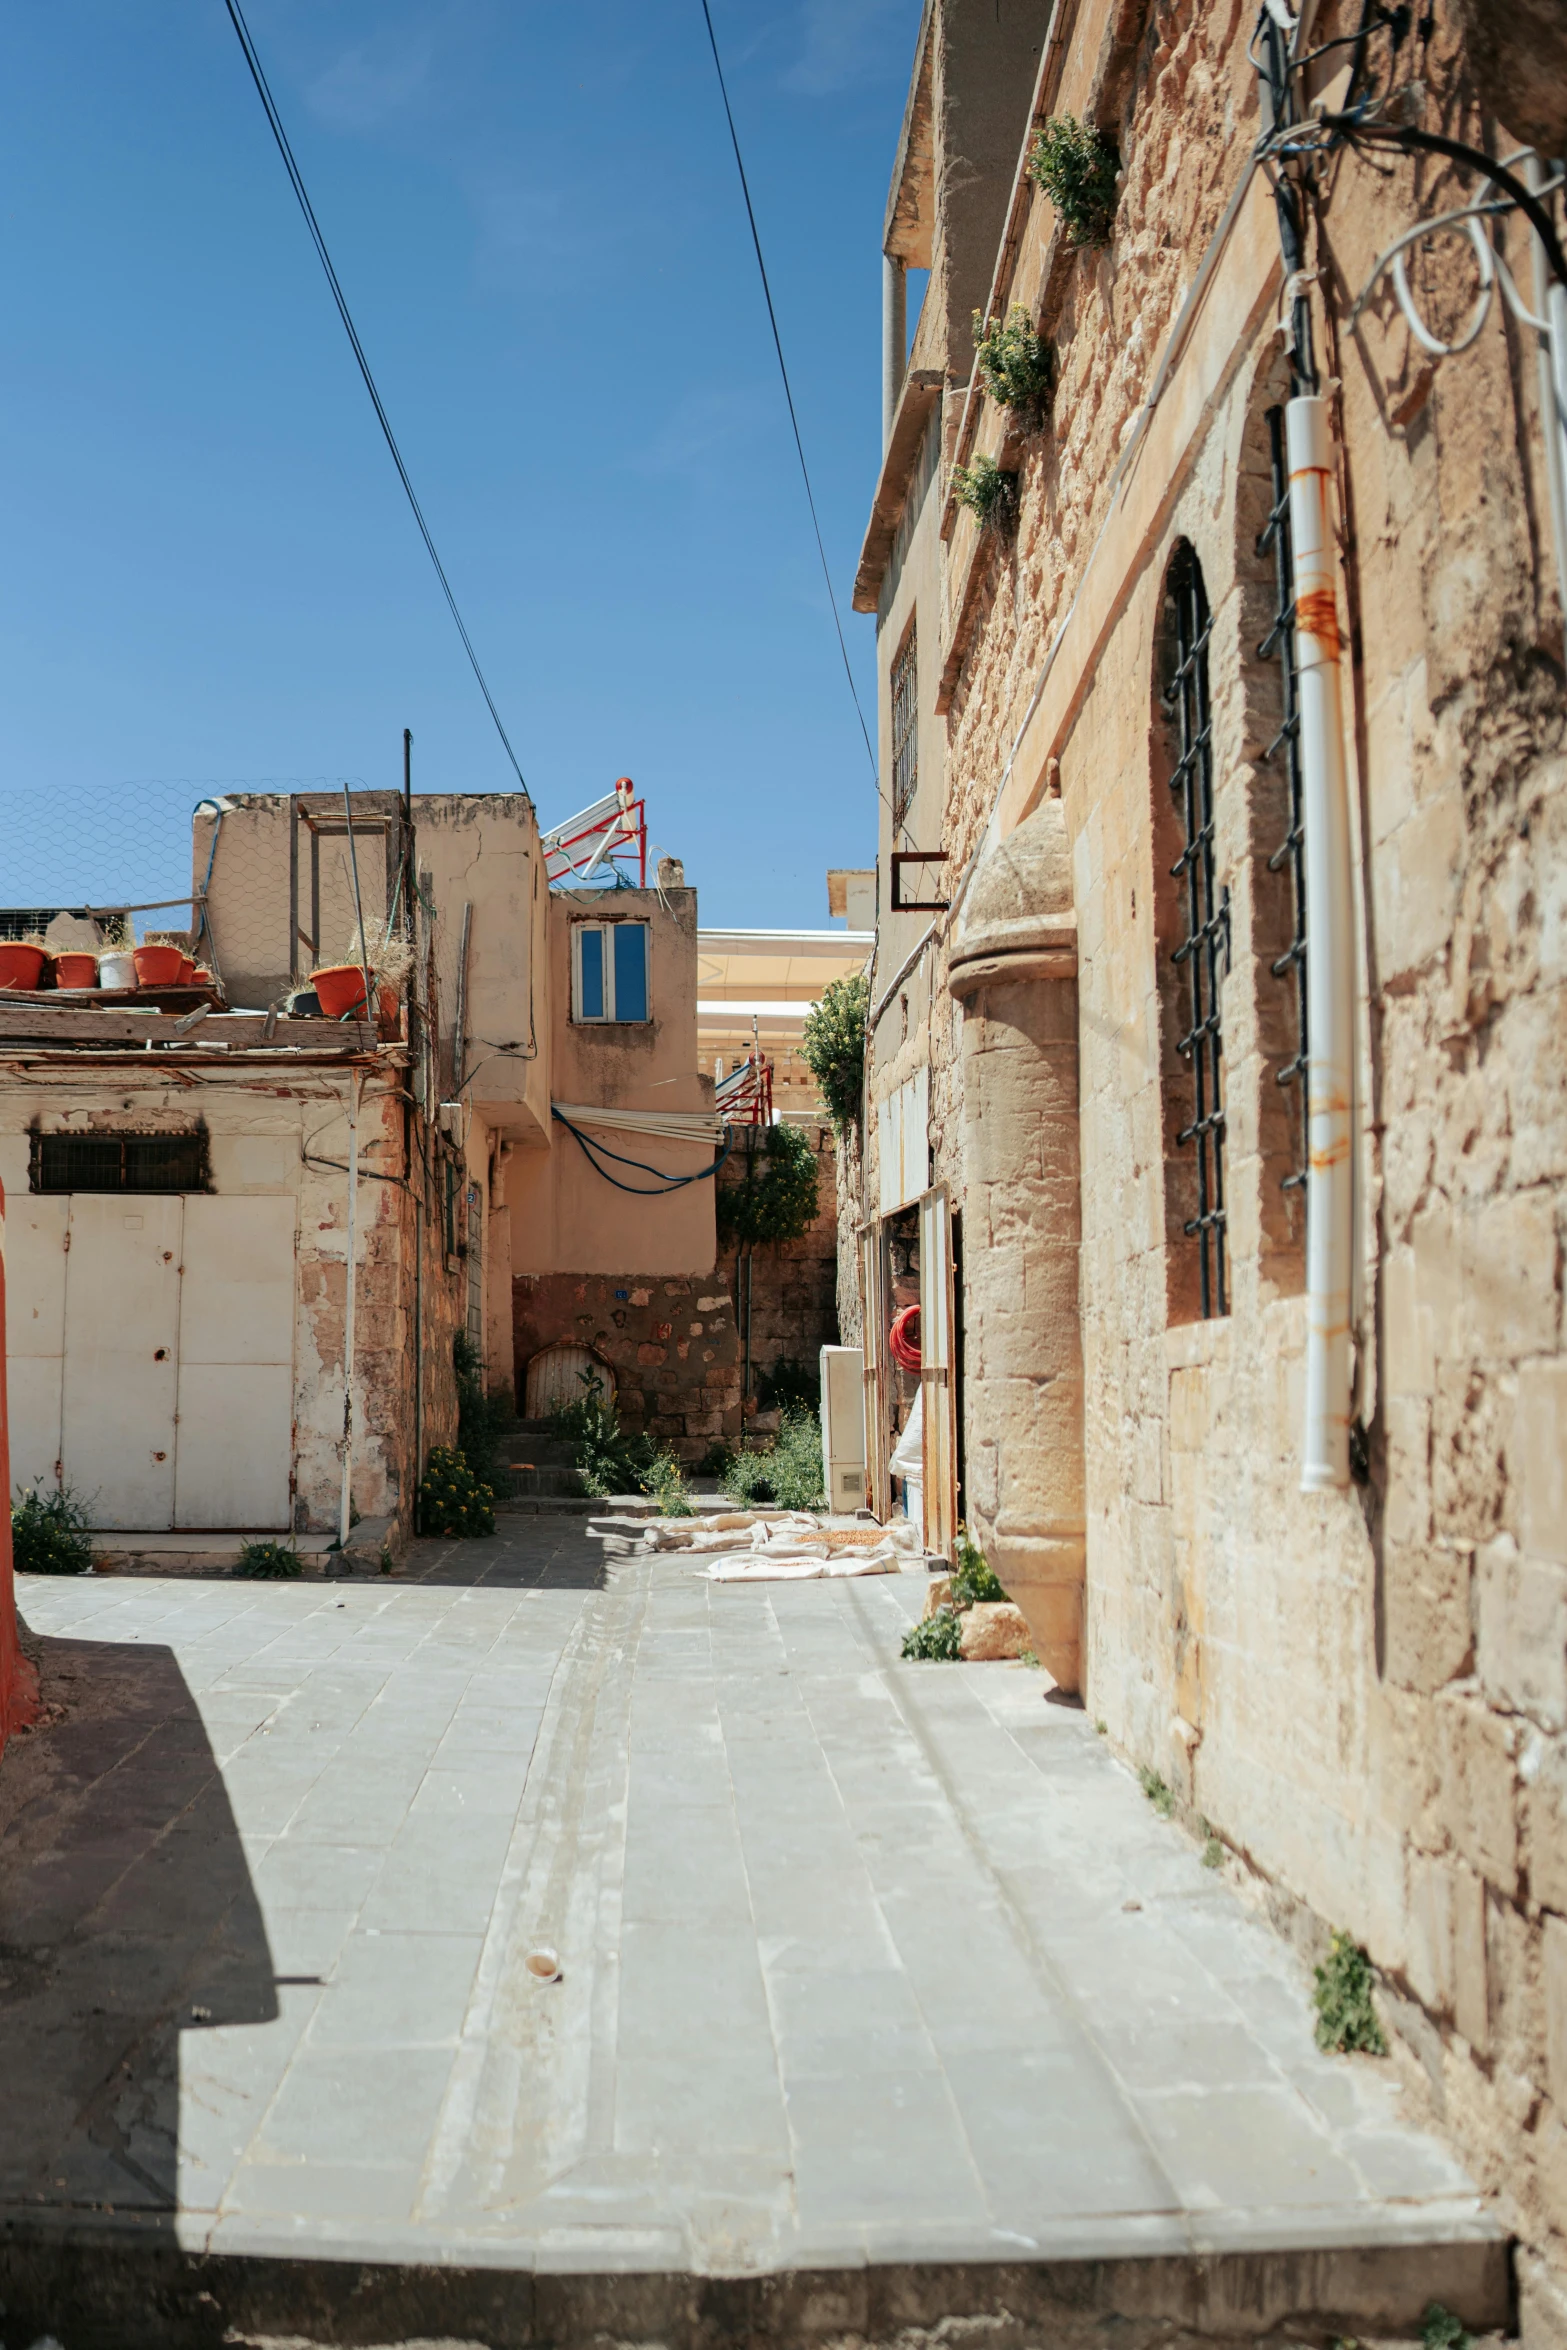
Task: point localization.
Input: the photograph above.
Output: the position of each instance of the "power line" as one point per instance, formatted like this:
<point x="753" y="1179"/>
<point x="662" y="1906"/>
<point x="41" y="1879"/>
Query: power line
<point x="772" y="319"/>
<point x="236" y="18"/>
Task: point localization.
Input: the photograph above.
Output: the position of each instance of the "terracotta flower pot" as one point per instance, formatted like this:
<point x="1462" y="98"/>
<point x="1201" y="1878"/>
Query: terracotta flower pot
<point x="20" y="966"/>
<point x="187" y="971"/>
<point x="158" y="966"/>
<point x="75" y="970"/>
<point x="340" y="989"/>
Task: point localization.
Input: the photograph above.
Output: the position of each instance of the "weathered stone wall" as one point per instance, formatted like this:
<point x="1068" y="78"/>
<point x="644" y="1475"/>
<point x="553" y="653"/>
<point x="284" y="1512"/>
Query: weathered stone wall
<point x="1365" y="1692"/>
<point x="670" y="1342"/>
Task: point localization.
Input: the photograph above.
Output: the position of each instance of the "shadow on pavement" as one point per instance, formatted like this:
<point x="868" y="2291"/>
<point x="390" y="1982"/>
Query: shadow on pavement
<point x="127" y="1916"/>
<point x="536" y="1552"/>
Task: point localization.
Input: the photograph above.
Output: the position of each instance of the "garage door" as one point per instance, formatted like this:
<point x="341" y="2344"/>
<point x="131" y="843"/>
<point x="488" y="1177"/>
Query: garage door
<point x="150" y="1354"/>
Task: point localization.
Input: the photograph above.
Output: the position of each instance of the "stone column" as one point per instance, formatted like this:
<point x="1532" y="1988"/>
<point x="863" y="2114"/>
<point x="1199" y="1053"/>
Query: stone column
<point x="894" y="339"/>
<point x="1014" y="971"/>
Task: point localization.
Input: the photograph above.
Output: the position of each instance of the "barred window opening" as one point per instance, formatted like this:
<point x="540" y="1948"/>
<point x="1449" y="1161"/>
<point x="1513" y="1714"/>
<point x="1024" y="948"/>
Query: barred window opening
<point x="120" y="1162"/>
<point x="905" y="726"/>
<point x="1202" y="954"/>
<point x="1279" y="645"/>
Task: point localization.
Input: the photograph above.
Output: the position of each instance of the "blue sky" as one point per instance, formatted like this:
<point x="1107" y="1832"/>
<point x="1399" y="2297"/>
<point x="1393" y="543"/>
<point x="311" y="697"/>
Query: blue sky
<point x="210" y="573"/>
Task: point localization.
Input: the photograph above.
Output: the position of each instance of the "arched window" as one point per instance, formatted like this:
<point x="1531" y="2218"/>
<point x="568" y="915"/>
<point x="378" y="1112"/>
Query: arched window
<point x="1197" y="926"/>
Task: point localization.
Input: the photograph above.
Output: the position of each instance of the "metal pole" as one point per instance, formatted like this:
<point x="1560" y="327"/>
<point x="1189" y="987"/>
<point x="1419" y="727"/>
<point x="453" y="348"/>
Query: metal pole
<point x="345" y="1511"/>
<point x="359" y="911"/>
<point x="459" y="1034"/>
<point x="894" y="339"/>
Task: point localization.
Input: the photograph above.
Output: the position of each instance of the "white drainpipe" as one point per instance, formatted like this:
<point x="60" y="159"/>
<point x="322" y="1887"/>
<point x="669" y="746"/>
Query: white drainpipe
<point x="346" y="1503"/>
<point x="1330" y="955"/>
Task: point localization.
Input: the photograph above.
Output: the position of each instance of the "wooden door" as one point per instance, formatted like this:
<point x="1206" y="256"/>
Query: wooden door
<point x="35" y="1229"/>
<point x="873" y="1297"/>
<point x="234" y="1438"/>
<point x="122" y="1319"/>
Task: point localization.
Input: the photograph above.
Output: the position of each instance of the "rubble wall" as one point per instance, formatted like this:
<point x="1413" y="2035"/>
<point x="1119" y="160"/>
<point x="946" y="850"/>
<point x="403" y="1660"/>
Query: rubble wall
<point x="670" y="1342"/>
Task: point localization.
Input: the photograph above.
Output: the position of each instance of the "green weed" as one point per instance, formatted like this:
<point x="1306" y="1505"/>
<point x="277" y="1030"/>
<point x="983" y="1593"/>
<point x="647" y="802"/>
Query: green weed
<point x="938" y="1640"/>
<point x="268" y="1562"/>
<point x="1346" y="2019"/>
<point x="1077" y="167"/>
<point x="51" y="1532"/>
<point x="1159" y="1795"/>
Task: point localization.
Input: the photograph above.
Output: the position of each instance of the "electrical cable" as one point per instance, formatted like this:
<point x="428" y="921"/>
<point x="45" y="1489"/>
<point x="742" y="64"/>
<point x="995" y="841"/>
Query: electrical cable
<point x="666" y="1183"/>
<point x="242" y="30"/>
<point x="772" y="320"/>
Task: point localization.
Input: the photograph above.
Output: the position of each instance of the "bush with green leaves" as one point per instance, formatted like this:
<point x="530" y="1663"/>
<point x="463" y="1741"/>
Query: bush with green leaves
<point x="51" y="1533"/>
<point x="452" y="1499"/>
<point x="938" y="1639"/>
<point x="972" y="1578"/>
<point x="1346" y="2019"/>
<point x="604" y="1456"/>
<point x="1441" y="2330"/>
<point x="833" y="1046"/>
<point x="666" y="1479"/>
<point x="1077" y="166"/>
<point x="989" y="492"/>
<point x="1016" y="366"/>
<point x="775" y="1196"/>
<point x="480" y="1417"/>
<point x="268" y="1562"/>
<point x="788" y="1475"/>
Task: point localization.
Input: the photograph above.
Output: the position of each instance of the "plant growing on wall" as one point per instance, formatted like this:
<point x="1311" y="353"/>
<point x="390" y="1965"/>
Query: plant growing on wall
<point x="834" y="1046"/>
<point x="267" y="1562"/>
<point x="1346" y="2018"/>
<point x="1016" y="366"/>
<point x="990" y="494"/>
<point x="1077" y="166"/>
<point x="775" y="1198"/>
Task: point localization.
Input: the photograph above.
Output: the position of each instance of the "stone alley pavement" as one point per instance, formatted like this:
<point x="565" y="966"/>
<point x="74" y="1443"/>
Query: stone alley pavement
<point x="883" y="1993"/>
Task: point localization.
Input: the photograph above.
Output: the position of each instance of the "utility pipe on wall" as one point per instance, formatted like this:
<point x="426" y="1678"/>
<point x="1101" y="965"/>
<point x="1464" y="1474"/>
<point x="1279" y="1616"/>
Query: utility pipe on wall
<point x="1330" y="956"/>
<point x="894" y="339"/>
<point x="345" y="1509"/>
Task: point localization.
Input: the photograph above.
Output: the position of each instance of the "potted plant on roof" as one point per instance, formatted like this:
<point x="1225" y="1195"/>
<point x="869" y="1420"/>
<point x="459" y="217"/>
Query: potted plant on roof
<point x="22" y="963"/>
<point x="340" y="987"/>
<point x="160" y="959"/>
<point x="116" y="962"/>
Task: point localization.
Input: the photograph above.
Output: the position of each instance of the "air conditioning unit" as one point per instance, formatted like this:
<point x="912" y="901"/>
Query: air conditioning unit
<point x="843" y="1426"/>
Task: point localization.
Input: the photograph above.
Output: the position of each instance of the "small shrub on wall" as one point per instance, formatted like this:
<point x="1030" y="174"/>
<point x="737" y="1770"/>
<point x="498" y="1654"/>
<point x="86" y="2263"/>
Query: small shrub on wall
<point x="1077" y="166"/>
<point x="989" y="493"/>
<point x="775" y="1198"/>
<point x="833" y="1046"/>
<point x="1016" y="366"/>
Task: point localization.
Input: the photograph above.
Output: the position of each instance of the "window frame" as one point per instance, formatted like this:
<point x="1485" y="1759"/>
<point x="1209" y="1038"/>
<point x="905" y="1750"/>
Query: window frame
<point x="1203" y="952"/>
<point x="903" y="692"/>
<point x="62" y="1162"/>
<point x="611" y="1016"/>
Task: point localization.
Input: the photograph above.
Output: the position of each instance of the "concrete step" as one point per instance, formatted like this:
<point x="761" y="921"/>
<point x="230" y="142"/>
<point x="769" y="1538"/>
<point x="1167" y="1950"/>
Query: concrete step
<point x="535" y="1452"/>
<point x="615" y="1505"/>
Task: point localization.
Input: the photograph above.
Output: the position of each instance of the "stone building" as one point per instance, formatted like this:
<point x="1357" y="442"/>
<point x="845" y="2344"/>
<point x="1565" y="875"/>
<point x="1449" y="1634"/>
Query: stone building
<point x="1216" y="1078"/>
<point x="534" y="1147"/>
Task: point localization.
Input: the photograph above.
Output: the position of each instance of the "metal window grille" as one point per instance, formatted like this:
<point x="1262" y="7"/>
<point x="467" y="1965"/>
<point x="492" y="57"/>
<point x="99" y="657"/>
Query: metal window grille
<point x="1279" y="645"/>
<point x="119" y="1162"/>
<point x="1204" y="951"/>
<point x="905" y="726"/>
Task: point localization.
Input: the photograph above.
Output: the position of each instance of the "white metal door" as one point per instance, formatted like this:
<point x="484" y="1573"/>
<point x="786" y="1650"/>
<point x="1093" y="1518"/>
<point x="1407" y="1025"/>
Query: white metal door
<point x="234" y="1444"/>
<point x="122" y="1291"/>
<point x="35" y="1229"/>
<point x="937" y="1384"/>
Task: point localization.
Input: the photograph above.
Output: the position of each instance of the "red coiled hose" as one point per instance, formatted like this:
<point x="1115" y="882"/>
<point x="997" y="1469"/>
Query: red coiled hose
<point x="903" y="1339"/>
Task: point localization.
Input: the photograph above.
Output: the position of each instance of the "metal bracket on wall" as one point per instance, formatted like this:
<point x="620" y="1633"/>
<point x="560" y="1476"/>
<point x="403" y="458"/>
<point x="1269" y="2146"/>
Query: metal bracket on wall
<point x="903" y="905"/>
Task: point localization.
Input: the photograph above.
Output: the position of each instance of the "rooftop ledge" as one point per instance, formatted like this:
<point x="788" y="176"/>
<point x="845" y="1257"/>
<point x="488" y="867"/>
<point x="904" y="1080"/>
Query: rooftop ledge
<point x="921" y="390"/>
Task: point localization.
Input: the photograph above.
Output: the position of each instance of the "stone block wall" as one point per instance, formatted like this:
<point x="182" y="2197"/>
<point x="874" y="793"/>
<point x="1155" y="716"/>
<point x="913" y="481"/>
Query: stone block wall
<point x="670" y="1341"/>
<point x="1364" y="1691"/>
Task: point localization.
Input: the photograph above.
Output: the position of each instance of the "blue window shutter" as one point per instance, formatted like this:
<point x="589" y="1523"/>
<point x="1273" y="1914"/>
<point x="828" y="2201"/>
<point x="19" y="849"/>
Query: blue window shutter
<point x="630" y="970"/>
<point x="591" y="949"/>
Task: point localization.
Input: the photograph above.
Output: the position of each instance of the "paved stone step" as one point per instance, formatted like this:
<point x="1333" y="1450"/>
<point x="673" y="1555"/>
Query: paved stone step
<point x="116" y="2283"/>
<point x="534" y="1483"/>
